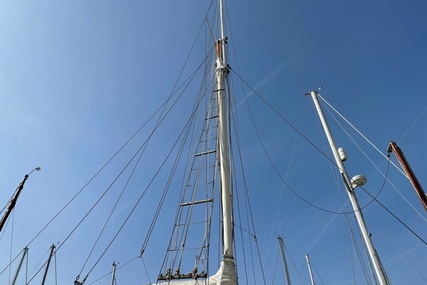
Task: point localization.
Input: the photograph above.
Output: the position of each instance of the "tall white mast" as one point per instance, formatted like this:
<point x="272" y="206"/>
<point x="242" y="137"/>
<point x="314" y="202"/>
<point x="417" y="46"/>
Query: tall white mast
<point x="350" y="186"/>
<point x="227" y="271"/>
<point x="221" y="74"/>
<point x="309" y="269"/>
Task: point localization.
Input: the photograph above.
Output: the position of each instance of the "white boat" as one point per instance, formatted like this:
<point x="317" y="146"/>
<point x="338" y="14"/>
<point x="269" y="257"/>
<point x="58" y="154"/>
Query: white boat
<point x="278" y="162"/>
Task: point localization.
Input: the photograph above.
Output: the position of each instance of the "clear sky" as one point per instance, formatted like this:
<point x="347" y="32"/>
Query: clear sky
<point x="79" y="78"/>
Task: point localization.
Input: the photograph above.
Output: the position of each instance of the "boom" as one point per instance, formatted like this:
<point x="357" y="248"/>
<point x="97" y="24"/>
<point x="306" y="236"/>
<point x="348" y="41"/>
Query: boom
<point x="392" y="147"/>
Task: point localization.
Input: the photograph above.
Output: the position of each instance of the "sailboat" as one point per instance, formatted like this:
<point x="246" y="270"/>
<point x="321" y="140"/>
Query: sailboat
<point x="171" y="251"/>
<point x="219" y="111"/>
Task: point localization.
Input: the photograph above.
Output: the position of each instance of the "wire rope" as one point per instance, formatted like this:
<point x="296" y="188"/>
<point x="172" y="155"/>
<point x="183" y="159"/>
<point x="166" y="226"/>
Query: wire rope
<point x="96" y="174"/>
<point x="151" y="181"/>
<point x="394" y="216"/>
<point x="112" y="211"/>
<point x="376" y="167"/>
<point x="406" y="257"/>
<point x="119" y="267"/>
<point x="359" y="132"/>
<point x="163" y="108"/>
<point x="11" y="242"/>
<point x="248" y="202"/>
<point x="151" y="228"/>
<point x="112" y="184"/>
<point x="317" y="272"/>
<point x="102" y="167"/>
<point x="305" y="138"/>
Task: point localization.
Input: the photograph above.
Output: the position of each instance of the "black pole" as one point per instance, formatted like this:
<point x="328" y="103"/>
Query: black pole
<point x="12" y="202"/>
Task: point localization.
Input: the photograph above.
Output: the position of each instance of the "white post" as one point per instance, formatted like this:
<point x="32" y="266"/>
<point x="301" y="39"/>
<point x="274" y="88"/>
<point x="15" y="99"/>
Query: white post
<point x="376" y="262"/>
<point x="113" y="274"/>
<point x="309" y="269"/>
<point x="224" y="142"/>
<point x="285" y="265"/>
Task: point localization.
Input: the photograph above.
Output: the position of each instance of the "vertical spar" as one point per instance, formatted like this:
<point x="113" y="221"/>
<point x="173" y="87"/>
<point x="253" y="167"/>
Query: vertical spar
<point x="350" y="186"/>
<point x="309" y="269"/>
<point x="221" y="73"/>
<point x="113" y="274"/>
<point x="227" y="273"/>
<point x="25" y="252"/>
<point x="52" y="251"/>
<point x="285" y="264"/>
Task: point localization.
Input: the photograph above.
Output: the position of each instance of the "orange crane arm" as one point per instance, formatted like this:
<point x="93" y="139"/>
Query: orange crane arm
<point x="408" y="170"/>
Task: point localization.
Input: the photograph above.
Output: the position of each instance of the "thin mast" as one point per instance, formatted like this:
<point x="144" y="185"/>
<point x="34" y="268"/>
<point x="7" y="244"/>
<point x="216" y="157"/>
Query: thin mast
<point x="113" y="274"/>
<point x="52" y="248"/>
<point x="408" y="170"/>
<point x="285" y="264"/>
<point x="350" y="186"/>
<point x="309" y="269"/>
<point x="20" y="265"/>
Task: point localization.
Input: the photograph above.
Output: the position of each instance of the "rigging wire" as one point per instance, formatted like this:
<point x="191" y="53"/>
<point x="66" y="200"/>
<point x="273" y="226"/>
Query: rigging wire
<point x="317" y="272"/>
<point x="153" y="222"/>
<point x="11" y="242"/>
<point x="246" y="195"/>
<point x="116" y="180"/>
<point x="236" y="106"/>
<point x="145" y="269"/>
<point x="354" y="245"/>
<point x="167" y="187"/>
<point x="364" y="153"/>
<point x="239" y="211"/>
<point x="374" y="198"/>
<point x="26" y="266"/>
<point x="85" y="186"/>
<point x="205" y="134"/>
<point x="119" y="267"/>
<point x="274" y="167"/>
<point x="394" y="216"/>
<point x="376" y="167"/>
<point x="159" y="121"/>
<point x="360" y="133"/>
<point x="406" y="257"/>
<point x="367" y="157"/>
<point x="41" y="267"/>
<point x="295" y="267"/>
<point x="162" y="106"/>
<point x="102" y="168"/>
<point x="275" y="268"/>
<point x="184" y="134"/>
<point x="114" y="207"/>
<point x="310" y="142"/>
<point x="149" y="184"/>
<point x="151" y="228"/>
<point x="56" y="271"/>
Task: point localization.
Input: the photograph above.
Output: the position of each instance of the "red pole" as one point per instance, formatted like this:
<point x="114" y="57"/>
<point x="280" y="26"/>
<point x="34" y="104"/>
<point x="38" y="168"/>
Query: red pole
<point x="408" y="170"/>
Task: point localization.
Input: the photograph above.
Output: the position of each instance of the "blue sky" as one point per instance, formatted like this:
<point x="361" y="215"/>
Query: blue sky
<point x="78" y="78"/>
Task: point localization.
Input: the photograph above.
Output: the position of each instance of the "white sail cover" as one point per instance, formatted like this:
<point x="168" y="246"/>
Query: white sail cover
<point x="226" y="275"/>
